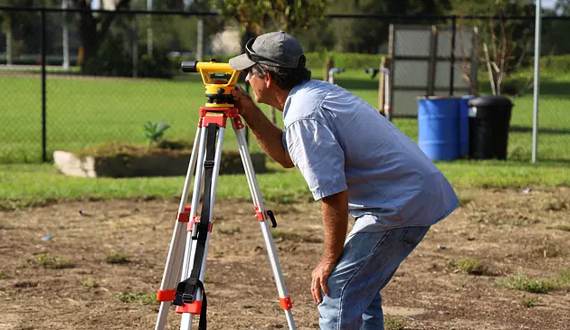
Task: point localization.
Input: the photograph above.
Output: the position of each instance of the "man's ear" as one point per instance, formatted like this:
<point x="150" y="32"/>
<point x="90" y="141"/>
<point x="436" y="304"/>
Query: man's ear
<point x="268" y="80"/>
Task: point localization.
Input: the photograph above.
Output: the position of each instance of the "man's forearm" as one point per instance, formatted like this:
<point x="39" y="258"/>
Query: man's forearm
<point x="335" y="222"/>
<point x="269" y="137"/>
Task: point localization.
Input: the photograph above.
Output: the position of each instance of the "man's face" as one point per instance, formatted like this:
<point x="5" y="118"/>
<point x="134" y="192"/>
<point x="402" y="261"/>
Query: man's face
<point x="256" y="78"/>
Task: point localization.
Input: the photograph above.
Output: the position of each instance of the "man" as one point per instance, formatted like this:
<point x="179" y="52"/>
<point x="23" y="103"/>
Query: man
<point x="355" y="162"/>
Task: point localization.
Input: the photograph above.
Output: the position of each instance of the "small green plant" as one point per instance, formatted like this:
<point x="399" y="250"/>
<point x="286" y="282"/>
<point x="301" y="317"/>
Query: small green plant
<point x="117" y="258"/>
<point x="560" y="227"/>
<point x="394" y="323"/>
<point x="524" y="283"/>
<point x="154" y="131"/>
<point x="530" y="302"/>
<point x="470" y="266"/>
<point x="142" y="298"/>
<point x="53" y="262"/>
<point x="3" y="275"/>
<point x="89" y="282"/>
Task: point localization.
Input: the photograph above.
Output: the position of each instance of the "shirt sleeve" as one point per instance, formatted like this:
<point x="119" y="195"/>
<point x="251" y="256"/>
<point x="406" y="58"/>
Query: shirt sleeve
<point x="314" y="149"/>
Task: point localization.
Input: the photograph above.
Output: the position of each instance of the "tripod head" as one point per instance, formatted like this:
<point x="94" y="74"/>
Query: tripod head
<point x="219" y="80"/>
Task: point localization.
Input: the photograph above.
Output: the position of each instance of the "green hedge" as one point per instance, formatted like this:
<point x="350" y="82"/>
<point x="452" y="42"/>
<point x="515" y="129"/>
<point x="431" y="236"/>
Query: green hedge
<point x="316" y="60"/>
<point x="555" y="63"/>
<point x="344" y="60"/>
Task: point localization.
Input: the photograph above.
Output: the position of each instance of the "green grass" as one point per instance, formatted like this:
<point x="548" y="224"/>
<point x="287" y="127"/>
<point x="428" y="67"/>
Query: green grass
<point x="46" y="260"/>
<point x="141" y="298"/>
<point x="83" y="111"/>
<point x="394" y="323"/>
<point x="537" y="285"/>
<point x="36" y="184"/>
<point x="530" y="302"/>
<point x="89" y="283"/>
<point x="89" y="111"/>
<point x="471" y="266"/>
<point x="117" y="258"/>
<point x="86" y="111"/>
<point x="525" y="283"/>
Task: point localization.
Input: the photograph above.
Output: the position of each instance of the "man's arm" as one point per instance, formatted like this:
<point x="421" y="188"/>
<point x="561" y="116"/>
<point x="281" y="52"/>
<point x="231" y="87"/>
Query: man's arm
<point x="268" y="135"/>
<point x="334" y="210"/>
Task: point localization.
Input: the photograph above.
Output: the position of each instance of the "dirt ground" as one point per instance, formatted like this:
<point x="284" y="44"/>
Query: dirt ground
<point x="96" y="264"/>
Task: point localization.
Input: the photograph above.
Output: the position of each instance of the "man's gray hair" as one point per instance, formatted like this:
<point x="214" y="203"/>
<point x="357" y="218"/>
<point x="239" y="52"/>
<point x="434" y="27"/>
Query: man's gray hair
<point x="285" y="78"/>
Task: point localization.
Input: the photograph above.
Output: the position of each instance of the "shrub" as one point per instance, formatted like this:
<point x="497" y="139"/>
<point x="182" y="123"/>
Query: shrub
<point x="117" y="258"/>
<point x="524" y="283"/>
<point x="471" y="266"/>
<point x="157" y="66"/>
<point x="53" y="262"/>
<point x="394" y="323"/>
<point x="555" y="63"/>
<point x="89" y="283"/>
<point x="344" y="60"/>
<point x="142" y="298"/>
<point x="530" y="302"/>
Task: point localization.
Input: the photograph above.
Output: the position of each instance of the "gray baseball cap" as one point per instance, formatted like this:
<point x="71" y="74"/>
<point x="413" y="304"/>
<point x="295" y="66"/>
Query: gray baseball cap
<point x="275" y="49"/>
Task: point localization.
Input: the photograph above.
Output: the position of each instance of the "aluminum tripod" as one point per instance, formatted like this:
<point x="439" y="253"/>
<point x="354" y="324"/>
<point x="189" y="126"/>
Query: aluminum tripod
<point x="182" y="282"/>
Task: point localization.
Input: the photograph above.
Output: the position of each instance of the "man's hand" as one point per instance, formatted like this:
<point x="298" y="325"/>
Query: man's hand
<point x="319" y="279"/>
<point x="268" y="135"/>
<point x="335" y="221"/>
<point x="244" y="103"/>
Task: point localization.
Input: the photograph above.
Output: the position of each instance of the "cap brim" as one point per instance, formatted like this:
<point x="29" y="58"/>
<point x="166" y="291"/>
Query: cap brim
<point x="241" y="62"/>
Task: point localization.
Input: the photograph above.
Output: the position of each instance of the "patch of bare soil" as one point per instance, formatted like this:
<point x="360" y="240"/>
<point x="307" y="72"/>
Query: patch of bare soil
<point x="95" y="265"/>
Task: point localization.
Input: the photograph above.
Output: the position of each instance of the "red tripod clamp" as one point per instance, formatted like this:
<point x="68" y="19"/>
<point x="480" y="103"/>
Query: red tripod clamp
<point x="218" y="116"/>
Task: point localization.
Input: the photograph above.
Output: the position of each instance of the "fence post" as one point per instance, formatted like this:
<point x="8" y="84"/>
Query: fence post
<point x="452" y="55"/>
<point x="536" y="89"/>
<point x="43" y="63"/>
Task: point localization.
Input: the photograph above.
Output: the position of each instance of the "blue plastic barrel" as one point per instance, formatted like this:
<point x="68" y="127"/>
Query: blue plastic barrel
<point x="438" y="127"/>
<point x="464" y="125"/>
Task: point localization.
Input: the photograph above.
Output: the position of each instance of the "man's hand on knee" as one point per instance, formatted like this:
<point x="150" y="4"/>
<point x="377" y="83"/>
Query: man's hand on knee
<point x="320" y="276"/>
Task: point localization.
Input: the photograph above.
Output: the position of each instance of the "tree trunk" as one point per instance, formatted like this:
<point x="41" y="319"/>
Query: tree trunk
<point x="93" y="30"/>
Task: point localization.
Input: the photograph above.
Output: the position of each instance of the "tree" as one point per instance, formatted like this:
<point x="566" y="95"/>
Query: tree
<point x="12" y="22"/>
<point x="562" y="7"/>
<point x="367" y="35"/>
<point x="505" y="41"/>
<point x="93" y="28"/>
<point x="257" y="16"/>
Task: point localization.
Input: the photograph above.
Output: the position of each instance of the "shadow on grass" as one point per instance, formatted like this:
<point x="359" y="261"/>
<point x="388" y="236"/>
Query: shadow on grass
<point x="527" y="129"/>
<point x="554" y="88"/>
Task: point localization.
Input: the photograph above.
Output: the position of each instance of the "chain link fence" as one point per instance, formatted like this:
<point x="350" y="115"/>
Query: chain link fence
<point x="107" y="74"/>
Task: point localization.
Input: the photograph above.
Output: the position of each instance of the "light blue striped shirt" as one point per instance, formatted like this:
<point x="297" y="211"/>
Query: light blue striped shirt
<point x="339" y="142"/>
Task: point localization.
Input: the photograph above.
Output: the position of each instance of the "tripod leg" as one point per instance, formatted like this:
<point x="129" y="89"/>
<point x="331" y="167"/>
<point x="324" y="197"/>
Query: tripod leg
<point x="173" y="265"/>
<point x="284" y="298"/>
<point x="207" y="210"/>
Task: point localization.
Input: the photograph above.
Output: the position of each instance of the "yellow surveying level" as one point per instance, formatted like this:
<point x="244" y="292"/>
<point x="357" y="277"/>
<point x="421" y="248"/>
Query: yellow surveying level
<point x="219" y="80"/>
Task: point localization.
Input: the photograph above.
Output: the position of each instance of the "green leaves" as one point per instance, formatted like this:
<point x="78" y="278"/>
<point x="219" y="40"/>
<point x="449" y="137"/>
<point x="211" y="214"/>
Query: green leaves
<point x="259" y="16"/>
<point x="154" y="131"/>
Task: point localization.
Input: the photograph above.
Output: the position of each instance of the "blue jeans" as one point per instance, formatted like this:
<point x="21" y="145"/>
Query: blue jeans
<point x="369" y="261"/>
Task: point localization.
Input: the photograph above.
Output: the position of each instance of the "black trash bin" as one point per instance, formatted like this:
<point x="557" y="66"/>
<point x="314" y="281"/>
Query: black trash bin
<point x="489" y="118"/>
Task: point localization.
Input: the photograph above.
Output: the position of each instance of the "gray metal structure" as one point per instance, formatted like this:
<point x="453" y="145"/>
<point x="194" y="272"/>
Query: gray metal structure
<point x="536" y="89"/>
<point x="423" y="64"/>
